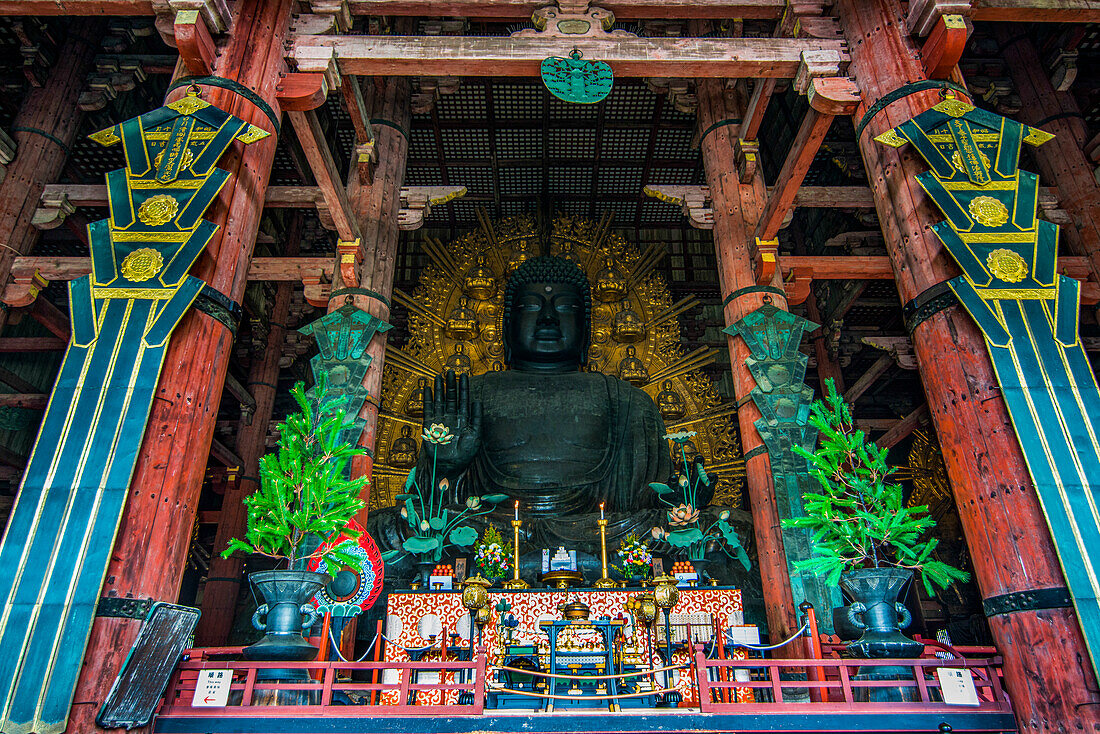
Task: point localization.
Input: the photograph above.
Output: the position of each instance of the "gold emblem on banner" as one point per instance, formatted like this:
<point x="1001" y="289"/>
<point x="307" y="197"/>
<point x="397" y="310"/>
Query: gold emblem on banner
<point x="957" y="161"/>
<point x="141" y="265"/>
<point x="158" y="210"/>
<point x="988" y="211"/>
<point x="953" y="107"/>
<point x="1006" y="265"/>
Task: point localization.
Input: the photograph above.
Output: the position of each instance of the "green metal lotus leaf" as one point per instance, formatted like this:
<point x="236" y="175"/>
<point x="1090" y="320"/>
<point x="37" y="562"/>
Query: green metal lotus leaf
<point x="660" y="487"/>
<point x="463" y="536"/>
<point x="684" y="538"/>
<point x="419" y="544"/>
<point x="437" y="523"/>
<point x="494" y="498"/>
<point x="411" y="479"/>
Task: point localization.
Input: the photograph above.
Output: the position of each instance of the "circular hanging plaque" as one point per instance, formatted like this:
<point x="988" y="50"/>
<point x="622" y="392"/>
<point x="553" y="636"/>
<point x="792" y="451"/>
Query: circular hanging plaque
<point x="351" y="592"/>
<point x="575" y="80"/>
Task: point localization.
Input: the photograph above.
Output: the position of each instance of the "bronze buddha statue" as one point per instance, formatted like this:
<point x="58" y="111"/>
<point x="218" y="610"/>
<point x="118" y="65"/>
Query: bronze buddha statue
<point x="558" y="439"/>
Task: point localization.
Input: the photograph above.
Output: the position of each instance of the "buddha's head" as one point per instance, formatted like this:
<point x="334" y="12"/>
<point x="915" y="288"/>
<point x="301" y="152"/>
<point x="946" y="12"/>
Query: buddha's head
<point x="547" y="312"/>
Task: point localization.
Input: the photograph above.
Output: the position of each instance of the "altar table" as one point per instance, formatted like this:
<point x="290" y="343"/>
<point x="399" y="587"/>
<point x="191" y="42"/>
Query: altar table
<point x="417" y="618"/>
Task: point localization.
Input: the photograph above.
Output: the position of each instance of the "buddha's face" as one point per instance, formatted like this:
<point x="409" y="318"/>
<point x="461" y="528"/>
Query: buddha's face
<point x="546" y="329"/>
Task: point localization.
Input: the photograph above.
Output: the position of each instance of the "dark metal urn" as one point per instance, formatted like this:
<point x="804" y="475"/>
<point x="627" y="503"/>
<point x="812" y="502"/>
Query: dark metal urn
<point x="876" y="611"/>
<point x="284" y="615"/>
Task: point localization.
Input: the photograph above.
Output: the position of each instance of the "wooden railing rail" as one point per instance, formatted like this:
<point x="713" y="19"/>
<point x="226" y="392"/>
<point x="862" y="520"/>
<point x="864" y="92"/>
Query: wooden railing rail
<point x="838" y="687"/>
<point x="315" y="697"/>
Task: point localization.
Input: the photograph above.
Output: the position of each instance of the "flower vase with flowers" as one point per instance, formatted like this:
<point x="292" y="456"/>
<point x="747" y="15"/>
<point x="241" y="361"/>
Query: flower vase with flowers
<point x="688" y="535"/>
<point x="492" y="555"/>
<point x="435" y="527"/>
<point x="635" y="560"/>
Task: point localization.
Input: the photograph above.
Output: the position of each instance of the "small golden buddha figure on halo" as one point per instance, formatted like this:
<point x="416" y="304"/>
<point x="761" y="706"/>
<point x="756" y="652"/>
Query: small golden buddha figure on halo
<point x="459" y="361"/>
<point x="462" y="323"/>
<point x="414" y="406"/>
<point x="480" y="283"/>
<point x="670" y="403"/>
<point x="632" y="370"/>
<point x="568" y="253"/>
<point x="610" y="284"/>
<point x="627" y="326"/>
<point x="404" y="453"/>
<point x="520" y="255"/>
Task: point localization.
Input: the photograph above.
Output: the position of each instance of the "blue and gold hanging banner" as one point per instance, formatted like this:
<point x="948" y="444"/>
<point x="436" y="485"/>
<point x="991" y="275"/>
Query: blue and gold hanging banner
<point x="1029" y="316"/>
<point x="67" y="512"/>
<point x="778" y="367"/>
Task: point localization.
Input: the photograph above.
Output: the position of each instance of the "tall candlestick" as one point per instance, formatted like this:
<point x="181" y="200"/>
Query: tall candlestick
<point x="515" y="582"/>
<point x="605" y="581"/>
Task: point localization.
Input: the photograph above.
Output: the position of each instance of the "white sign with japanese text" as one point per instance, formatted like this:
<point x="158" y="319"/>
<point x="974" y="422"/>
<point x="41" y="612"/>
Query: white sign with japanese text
<point x="212" y="688"/>
<point x="957" y="685"/>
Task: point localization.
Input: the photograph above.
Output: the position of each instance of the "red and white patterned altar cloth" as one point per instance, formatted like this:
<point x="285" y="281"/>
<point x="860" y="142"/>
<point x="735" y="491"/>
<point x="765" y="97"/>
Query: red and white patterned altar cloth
<point x="413" y="618"/>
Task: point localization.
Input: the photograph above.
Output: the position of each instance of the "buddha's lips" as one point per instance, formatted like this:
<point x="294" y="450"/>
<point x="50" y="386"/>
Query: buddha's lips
<point x="547" y="334"/>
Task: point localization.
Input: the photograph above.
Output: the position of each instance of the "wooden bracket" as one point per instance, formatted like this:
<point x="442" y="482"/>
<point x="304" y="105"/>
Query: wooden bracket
<point x="797" y="285"/>
<point x="1063" y="70"/>
<point x="315" y="288"/>
<point x="900" y="348"/>
<point x="302" y="91"/>
<point x="365" y="159"/>
<point x="944" y="46"/>
<point x="765" y="260"/>
<point x="24" y="288"/>
<point x="319" y="59"/>
<point x="925" y="14"/>
<point x="813" y="64"/>
<point x="834" y="95"/>
<point x="692" y="201"/>
<point x="349" y="256"/>
<point x="417" y="203"/>
<point x="338" y="10"/>
<point x="52" y="210"/>
<point x="746" y="154"/>
<point x="572" y="19"/>
<point x="193" y="40"/>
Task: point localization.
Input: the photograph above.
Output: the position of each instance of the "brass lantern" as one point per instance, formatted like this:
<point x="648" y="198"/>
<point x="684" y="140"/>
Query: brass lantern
<point x="475" y="594"/>
<point x="665" y="592"/>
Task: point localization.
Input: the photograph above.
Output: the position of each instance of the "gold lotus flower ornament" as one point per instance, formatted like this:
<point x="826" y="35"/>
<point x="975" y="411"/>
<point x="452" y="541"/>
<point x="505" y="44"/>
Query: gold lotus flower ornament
<point x="988" y="211"/>
<point x="141" y="265"/>
<point x="1006" y="265"/>
<point x="158" y="210"/>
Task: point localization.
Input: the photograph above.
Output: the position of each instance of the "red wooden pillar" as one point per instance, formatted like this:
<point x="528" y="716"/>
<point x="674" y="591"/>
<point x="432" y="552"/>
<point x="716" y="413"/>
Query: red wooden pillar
<point x="376" y="206"/>
<point x="1061" y="161"/>
<point x="223" y="580"/>
<point x="151" y="546"/>
<point x="1047" y="669"/>
<point x="737" y="207"/>
<point x="44" y="131"/>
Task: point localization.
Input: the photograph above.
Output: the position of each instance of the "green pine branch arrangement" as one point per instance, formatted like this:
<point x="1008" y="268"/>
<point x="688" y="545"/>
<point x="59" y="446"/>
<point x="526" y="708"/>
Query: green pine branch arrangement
<point x="859" y="520"/>
<point x="305" y="500"/>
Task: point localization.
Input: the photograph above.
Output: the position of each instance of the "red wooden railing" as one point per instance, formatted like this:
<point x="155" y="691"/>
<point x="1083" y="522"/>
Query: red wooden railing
<point x="839" y="691"/>
<point x="249" y="697"/>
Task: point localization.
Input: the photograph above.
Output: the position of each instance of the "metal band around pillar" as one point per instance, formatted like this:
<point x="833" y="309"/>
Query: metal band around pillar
<point x="219" y="307"/>
<point x="1027" y="601"/>
<point x="902" y="92"/>
<point x="361" y="292"/>
<point x="931" y="301"/>
<point x="232" y="86"/>
<point x="753" y="289"/>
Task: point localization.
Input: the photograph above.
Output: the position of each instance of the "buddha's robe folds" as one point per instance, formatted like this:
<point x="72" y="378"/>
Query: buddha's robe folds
<point x="563" y="443"/>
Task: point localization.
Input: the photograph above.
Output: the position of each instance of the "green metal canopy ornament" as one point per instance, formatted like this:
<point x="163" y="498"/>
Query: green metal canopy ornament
<point x="575" y="80"/>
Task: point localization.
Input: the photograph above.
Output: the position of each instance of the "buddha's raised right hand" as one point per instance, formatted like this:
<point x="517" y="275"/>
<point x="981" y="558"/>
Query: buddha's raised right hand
<point x="449" y="405"/>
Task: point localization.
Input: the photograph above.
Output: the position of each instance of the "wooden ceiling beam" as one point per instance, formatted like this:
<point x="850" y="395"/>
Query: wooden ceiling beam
<point x="623" y="9"/>
<point x="329" y="181"/>
<point x="1037" y="11"/>
<point x="1024" y="11"/>
<point x="901" y="430"/>
<point x="519" y="57"/>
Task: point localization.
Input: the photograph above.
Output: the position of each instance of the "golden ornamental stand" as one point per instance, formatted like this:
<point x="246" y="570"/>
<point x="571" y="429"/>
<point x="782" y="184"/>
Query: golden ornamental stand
<point x="515" y="582"/>
<point x="605" y="581"/>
